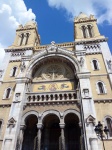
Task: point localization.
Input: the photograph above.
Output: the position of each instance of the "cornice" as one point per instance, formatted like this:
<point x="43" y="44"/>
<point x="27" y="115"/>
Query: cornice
<point x="93" y="75"/>
<point x="91" y="41"/>
<point x="68" y="45"/>
<point x="44" y="103"/>
<point x="19" y="60"/>
<point x="22" y="29"/>
<point x="13" y="81"/>
<point x="109" y="100"/>
<point x="83" y="21"/>
<point x="19" y="49"/>
<point x="5" y="105"/>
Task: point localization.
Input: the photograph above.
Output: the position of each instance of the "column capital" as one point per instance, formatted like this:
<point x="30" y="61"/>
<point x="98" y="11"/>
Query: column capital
<point x="62" y="125"/>
<point x="22" y="127"/>
<point x="39" y="125"/>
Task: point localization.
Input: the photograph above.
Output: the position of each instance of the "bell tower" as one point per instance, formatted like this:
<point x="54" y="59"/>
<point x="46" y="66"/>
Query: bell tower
<point x="85" y="28"/>
<point x="27" y="35"/>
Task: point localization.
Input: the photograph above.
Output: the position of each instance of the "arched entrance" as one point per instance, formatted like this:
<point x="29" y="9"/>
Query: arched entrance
<point x="30" y="132"/>
<point x="50" y="133"/>
<point x="72" y="132"/>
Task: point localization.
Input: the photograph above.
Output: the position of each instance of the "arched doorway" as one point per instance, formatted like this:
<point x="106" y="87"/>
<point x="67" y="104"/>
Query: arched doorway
<point x="72" y="132"/>
<point x="50" y="133"/>
<point x="30" y="132"/>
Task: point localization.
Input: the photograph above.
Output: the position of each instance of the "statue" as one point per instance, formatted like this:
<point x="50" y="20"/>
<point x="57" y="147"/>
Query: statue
<point x="109" y="63"/>
<point x="22" y="66"/>
<point x="81" y="61"/>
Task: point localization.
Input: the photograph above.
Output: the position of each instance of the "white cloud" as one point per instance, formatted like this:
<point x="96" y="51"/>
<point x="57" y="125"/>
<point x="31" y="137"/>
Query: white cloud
<point x="12" y="13"/>
<point x="101" y="8"/>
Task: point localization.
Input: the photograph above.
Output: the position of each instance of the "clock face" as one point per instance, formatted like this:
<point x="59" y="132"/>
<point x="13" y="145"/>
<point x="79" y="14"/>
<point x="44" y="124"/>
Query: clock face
<point x="53" y="72"/>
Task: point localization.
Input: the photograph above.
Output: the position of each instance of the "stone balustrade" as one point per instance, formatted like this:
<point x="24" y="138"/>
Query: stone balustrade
<point x="51" y="96"/>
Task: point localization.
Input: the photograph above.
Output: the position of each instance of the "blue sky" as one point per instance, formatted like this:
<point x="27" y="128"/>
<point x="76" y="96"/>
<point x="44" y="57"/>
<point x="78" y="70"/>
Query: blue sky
<point x="55" y="25"/>
<point x="54" y="18"/>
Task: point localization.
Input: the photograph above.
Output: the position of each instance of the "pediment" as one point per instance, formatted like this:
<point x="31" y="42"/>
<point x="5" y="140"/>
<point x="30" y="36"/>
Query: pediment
<point x="90" y="119"/>
<point x="53" y="48"/>
<point x="11" y="121"/>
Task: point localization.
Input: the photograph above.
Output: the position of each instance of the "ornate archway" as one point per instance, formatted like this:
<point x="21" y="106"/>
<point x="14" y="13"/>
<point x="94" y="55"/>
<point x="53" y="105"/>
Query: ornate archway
<point x="30" y="132"/>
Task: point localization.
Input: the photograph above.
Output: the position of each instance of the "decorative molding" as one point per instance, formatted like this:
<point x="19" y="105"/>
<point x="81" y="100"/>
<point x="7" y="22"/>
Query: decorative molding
<point x="5" y="105"/>
<point x="103" y="100"/>
<point x="69" y="44"/>
<point x="11" y="124"/>
<point x="86" y="93"/>
<point x="20" y="48"/>
<point x="15" y="54"/>
<point x="90" y="41"/>
<point x="90" y="120"/>
<point x="17" y="60"/>
<point x="44" y="103"/>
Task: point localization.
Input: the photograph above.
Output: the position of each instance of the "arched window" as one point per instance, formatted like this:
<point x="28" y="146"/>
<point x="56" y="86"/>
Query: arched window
<point x="7" y="93"/>
<point x="101" y="88"/>
<point x="95" y="64"/>
<point x="109" y="125"/>
<point x="1" y="122"/>
<point x="27" y="37"/>
<point x="0" y="125"/>
<point x="14" y="71"/>
<point x="84" y="31"/>
<point x="22" y="37"/>
<point x="90" y="31"/>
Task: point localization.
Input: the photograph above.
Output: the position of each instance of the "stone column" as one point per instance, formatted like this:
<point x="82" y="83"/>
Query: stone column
<point x="94" y="143"/>
<point x="22" y="128"/>
<point x="39" y="133"/>
<point x="62" y="138"/>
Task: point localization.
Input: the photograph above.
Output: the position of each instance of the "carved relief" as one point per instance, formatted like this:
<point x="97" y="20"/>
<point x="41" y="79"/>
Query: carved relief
<point x="86" y="93"/>
<point x="54" y="71"/>
<point x="109" y="63"/>
<point x="81" y="61"/>
<point x="90" y="120"/>
<point x="22" y="66"/>
<point x="17" y="96"/>
<point x="11" y="124"/>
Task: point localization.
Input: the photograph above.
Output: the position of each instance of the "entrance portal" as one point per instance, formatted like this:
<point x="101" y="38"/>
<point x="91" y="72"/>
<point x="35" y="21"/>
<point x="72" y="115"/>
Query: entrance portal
<point x="30" y="132"/>
<point x="51" y="133"/>
<point x="72" y="132"/>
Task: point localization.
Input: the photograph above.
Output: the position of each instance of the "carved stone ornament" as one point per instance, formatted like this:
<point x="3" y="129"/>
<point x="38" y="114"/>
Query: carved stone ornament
<point x="17" y="96"/>
<point x="81" y="61"/>
<point x="90" y="120"/>
<point x="86" y="93"/>
<point x="52" y="48"/>
<point x="54" y="71"/>
<point x="109" y="63"/>
<point x="11" y="122"/>
<point x="22" y="66"/>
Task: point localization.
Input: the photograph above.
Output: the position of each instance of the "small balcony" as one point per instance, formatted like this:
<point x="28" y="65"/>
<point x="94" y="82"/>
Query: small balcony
<point x="52" y="97"/>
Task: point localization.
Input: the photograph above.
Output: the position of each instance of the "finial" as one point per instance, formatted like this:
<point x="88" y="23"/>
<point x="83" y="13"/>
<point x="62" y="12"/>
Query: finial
<point x="53" y="42"/>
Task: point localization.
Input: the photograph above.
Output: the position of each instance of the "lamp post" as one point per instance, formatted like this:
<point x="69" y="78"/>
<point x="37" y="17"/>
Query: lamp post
<point x="99" y="131"/>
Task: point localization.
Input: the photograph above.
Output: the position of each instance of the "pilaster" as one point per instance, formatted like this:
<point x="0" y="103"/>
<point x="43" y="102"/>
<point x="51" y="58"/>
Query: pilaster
<point x="13" y="127"/>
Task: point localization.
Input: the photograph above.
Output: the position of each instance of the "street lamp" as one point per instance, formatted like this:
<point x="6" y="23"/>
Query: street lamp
<point x="99" y="131"/>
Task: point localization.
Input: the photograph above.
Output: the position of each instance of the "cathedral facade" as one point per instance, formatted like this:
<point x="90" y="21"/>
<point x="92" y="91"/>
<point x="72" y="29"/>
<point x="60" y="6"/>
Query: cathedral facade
<point x="52" y="96"/>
